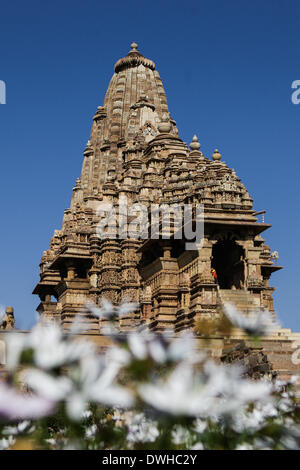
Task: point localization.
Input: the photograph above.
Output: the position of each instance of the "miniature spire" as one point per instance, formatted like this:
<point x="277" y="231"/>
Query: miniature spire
<point x="195" y="145"/>
<point x="164" y="126"/>
<point x="88" y="149"/>
<point x="216" y="156"/>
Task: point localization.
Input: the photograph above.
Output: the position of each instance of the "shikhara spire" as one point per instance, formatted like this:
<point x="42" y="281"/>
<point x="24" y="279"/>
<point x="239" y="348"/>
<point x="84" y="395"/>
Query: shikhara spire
<point x="134" y="105"/>
<point x="134" y="152"/>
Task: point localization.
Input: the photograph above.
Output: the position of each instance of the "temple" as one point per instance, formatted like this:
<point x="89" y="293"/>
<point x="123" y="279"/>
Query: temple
<point x="135" y="153"/>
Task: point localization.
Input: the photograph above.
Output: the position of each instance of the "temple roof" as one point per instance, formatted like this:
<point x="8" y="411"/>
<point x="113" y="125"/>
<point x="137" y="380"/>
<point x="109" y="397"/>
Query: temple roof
<point x="133" y="59"/>
<point x="135" y="105"/>
<point x="134" y="96"/>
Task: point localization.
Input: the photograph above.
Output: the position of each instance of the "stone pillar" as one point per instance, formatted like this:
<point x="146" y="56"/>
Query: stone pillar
<point x="71" y="272"/>
<point x="110" y="267"/>
<point x="130" y="281"/>
<point x="146" y="304"/>
<point x="183" y="303"/>
<point x="48" y="309"/>
<point x="94" y="271"/>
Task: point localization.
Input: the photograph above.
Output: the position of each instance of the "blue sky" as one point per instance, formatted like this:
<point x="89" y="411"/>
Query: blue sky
<point x="227" y="67"/>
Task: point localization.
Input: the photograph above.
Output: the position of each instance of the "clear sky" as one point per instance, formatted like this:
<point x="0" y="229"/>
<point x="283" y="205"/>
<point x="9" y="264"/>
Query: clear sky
<point x="227" y="67"/>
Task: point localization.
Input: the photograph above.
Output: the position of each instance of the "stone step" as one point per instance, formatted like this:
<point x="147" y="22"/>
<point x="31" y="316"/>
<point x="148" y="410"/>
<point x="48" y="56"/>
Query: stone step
<point x="241" y="300"/>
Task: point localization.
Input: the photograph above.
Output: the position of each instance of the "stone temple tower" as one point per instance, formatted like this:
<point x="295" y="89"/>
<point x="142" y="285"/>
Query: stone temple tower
<point x="135" y="152"/>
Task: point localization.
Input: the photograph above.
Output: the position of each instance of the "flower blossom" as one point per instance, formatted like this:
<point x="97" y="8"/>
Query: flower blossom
<point x="218" y="391"/>
<point x="91" y="381"/>
<point x="164" y="348"/>
<point x="51" y="348"/>
<point x="15" y="405"/>
<point x="257" y="323"/>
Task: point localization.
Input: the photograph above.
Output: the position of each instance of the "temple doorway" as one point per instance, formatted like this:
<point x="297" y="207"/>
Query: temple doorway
<point x="228" y="259"/>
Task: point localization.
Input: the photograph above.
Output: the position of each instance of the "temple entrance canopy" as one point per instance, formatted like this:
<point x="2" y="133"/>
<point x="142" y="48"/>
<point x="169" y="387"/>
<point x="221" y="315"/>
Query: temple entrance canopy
<point x="228" y="259"/>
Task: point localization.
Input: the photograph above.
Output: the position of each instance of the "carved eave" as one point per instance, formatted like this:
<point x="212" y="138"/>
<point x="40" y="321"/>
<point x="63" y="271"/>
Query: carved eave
<point x="63" y="259"/>
<point x="141" y="104"/>
<point x="133" y="59"/>
<point x="100" y="114"/>
<point x="45" y="288"/>
<point x="48" y="281"/>
<point x="257" y="228"/>
<point x="163" y="139"/>
<point x="272" y="268"/>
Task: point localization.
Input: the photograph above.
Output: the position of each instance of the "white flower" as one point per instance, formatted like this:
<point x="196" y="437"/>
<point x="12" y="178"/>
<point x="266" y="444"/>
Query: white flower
<point x="126" y="307"/>
<point x="19" y="428"/>
<point x="184" y="348"/>
<point x="18" y="406"/>
<point x="255" y="418"/>
<point x="257" y="323"/>
<point x="91" y="381"/>
<point x="87" y="414"/>
<point x="22" y="428"/>
<point x="137" y="345"/>
<point x="245" y="446"/>
<point x="94" y="384"/>
<point x="197" y="446"/>
<point x="78" y="326"/>
<point x="90" y="431"/>
<point x="218" y="391"/>
<point x="140" y="428"/>
<point x="46" y="385"/>
<point x="51" y="349"/>
<point x="200" y="425"/>
<point x="6" y="443"/>
<point x="180" y="435"/>
<point x="146" y="344"/>
<point x="52" y="442"/>
<point x="15" y="343"/>
<point x="97" y="383"/>
<point x="231" y="391"/>
<point x="118" y="356"/>
<point x="290" y="442"/>
<point x="108" y="311"/>
<point x="164" y="348"/>
<point x="179" y="395"/>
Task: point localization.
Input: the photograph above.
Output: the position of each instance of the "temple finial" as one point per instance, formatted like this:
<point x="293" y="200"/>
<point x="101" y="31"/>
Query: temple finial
<point x="195" y="144"/>
<point x="133" y="59"/>
<point x="216" y="156"/>
<point x="164" y="126"/>
<point x="134" y="47"/>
